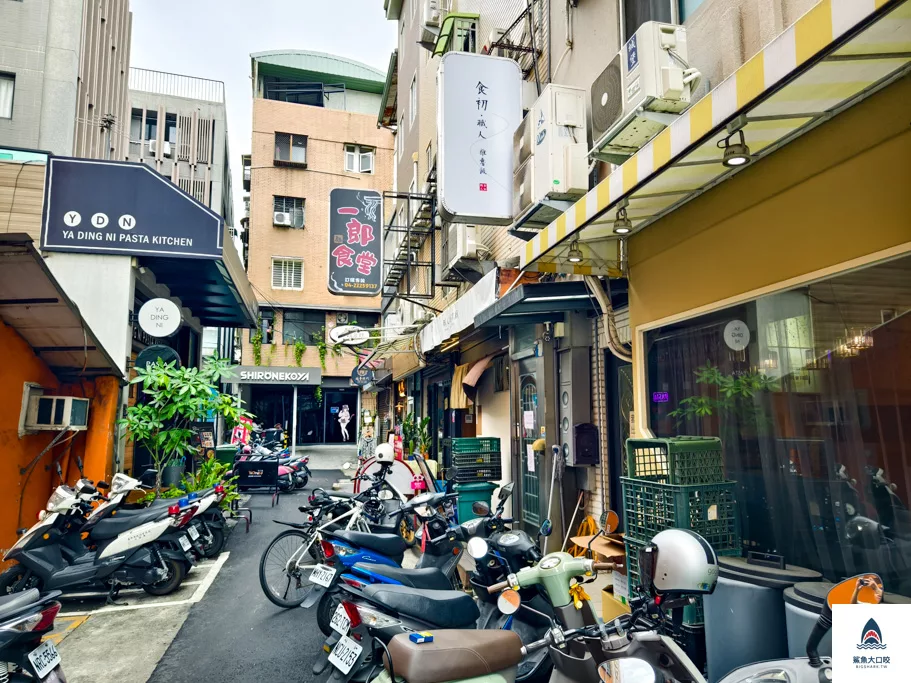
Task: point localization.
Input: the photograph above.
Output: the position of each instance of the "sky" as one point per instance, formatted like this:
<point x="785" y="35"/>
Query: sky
<point x="214" y="38"/>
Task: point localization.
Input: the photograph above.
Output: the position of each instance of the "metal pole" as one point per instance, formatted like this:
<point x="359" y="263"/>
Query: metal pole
<point x="294" y="421"/>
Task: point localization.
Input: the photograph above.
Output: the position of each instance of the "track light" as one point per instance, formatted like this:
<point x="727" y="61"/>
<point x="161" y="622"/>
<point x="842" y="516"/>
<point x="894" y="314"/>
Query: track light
<point x="623" y="225"/>
<point x="575" y="254"/>
<point x="735" y="153"/>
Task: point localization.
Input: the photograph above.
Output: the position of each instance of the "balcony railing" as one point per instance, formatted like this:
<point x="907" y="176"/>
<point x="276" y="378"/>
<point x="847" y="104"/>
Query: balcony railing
<point x="176" y="85"/>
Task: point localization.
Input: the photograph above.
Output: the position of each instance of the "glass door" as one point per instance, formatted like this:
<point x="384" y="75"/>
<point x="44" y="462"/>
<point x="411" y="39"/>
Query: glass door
<point x="529" y="429"/>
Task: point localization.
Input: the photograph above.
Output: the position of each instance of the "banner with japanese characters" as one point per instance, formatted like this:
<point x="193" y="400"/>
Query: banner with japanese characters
<point x="480" y="107"/>
<point x="355" y="242"/>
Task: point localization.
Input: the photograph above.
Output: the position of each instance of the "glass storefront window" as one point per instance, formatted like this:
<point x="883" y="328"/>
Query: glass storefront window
<point x="810" y="392"/>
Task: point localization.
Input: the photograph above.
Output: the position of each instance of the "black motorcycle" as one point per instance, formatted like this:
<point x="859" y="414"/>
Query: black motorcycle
<point x="24" y="618"/>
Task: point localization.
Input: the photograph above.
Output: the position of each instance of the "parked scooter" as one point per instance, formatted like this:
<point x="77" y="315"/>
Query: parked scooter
<point x="24" y="618"/>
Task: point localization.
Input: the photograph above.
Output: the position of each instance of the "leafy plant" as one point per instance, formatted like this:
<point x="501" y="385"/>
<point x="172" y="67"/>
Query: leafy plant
<point x="257" y="341"/>
<point x="299" y="348"/>
<point x="318" y="395"/>
<point x="176" y="398"/>
<point x="324" y="348"/>
<point x="210" y="473"/>
<point x="415" y="432"/>
<point x="423" y="436"/>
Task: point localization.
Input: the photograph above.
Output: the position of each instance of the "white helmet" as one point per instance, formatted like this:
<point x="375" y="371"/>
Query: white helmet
<point x="384" y="453"/>
<point x="678" y="561"/>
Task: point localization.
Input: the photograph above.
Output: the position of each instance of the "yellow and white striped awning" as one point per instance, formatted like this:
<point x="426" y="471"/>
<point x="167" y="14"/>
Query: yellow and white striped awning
<point x="838" y="53"/>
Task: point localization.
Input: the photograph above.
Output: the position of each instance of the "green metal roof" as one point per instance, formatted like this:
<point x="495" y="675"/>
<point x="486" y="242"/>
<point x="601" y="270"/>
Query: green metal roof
<point x="320" y="67"/>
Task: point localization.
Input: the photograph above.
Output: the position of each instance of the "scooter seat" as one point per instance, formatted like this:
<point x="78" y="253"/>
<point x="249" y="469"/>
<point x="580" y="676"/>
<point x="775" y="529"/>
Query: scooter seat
<point x="429" y="578"/>
<point x="446" y="609"/>
<point x="454" y="655"/>
<point x="123" y="520"/>
<point x="390" y="545"/>
<point x="16" y="601"/>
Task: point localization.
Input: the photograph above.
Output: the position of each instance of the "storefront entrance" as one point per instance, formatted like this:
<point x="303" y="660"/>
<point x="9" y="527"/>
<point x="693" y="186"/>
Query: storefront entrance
<point x="327" y="418"/>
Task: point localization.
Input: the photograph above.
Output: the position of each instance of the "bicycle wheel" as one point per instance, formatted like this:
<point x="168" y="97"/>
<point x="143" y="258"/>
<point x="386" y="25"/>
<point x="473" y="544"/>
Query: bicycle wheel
<point x="284" y="587"/>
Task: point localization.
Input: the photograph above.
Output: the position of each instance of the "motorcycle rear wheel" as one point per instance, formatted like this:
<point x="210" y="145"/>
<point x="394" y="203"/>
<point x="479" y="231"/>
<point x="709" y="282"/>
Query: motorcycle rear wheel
<point x="177" y="570"/>
<point x="11" y="581"/>
<point x="324" y="611"/>
<point x="217" y="545"/>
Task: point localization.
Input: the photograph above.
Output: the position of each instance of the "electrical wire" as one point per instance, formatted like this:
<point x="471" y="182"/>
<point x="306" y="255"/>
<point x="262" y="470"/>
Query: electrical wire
<point x="9" y="216"/>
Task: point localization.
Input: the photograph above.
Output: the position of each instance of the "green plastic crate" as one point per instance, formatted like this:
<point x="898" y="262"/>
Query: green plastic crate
<point x="475" y="444"/>
<point x="681" y="460"/>
<point x="708" y="509"/>
<point x="694" y="614"/>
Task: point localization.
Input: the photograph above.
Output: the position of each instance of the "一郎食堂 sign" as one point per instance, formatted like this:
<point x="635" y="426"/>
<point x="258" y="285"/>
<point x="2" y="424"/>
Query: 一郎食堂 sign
<point x="355" y="242"/>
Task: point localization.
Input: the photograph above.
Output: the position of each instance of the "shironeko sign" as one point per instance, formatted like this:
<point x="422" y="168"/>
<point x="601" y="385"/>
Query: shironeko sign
<point x="255" y="374"/>
<point x="114" y="207"/>
<point x="479" y="109"/>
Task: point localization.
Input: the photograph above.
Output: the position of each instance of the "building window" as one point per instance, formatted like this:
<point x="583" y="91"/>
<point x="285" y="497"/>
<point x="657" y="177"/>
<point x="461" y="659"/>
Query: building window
<point x="413" y="99"/>
<point x="290" y="150"/>
<point x="288" y="212"/>
<point x="359" y="159"/>
<point x="687" y="7"/>
<point x="804" y="389"/>
<point x="304" y="325"/>
<point x="429" y="155"/>
<point x="287" y="273"/>
<point x="7" y="86"/>
<point x="267" y="316"/>
<point x="151" y="130"/>
<point x="399" y="144"/>
<point x="170" y="128"/>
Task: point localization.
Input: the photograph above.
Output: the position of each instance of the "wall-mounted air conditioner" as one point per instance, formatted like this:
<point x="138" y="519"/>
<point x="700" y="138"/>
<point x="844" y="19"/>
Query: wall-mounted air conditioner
<point x="57" y="413"/>
<point x="281" y="218"/>
<point x="153" y="147"/>
<point x="550" y="151"/>
<point x="641" y="92"/>
<point x="434" y="11"/>
<point x="460" y="244"/>
<point x="166" y="149"/>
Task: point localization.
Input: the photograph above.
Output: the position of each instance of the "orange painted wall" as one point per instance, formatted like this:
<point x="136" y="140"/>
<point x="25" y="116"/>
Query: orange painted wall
<point x="25" y="495"/>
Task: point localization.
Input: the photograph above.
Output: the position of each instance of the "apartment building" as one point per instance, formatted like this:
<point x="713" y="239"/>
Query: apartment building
<point x="621" y="291"/>
<point x="314" y="130"/>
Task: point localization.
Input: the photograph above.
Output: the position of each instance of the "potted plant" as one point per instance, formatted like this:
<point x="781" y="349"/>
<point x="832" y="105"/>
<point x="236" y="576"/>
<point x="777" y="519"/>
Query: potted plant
<point x="172" y="471"/>
<point x="175" y="398"/>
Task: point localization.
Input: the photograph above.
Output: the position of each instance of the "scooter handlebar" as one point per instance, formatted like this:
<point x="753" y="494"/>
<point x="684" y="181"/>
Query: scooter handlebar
<point x="604" y="566"/>
<point x="497" y="587"/>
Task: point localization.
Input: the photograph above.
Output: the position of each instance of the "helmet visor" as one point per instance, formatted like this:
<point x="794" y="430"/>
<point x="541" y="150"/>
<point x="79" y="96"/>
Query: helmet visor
<point x="648" y="562"/>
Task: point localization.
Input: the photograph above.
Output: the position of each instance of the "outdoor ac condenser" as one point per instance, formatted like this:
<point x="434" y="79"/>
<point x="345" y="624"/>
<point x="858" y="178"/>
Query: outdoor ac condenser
<point x="641" y="91"/>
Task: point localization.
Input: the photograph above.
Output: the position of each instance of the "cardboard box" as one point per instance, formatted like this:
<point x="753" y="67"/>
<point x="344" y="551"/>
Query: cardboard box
<point x="611" y="607"/>
<point x="607" y="548"/>
<point x="620" y="587"/>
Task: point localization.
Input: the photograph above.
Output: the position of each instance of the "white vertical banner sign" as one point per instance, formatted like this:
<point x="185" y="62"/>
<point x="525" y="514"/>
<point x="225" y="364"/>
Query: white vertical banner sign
<point x="479" y="109"/>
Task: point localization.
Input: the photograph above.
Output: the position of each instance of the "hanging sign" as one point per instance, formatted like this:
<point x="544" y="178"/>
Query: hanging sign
<point x="355" y="242"/>
<point x="480" y="107"/>
<point x="159" y="317"/>
<point x="361" y="376"/>
<point x="349" y="335"/>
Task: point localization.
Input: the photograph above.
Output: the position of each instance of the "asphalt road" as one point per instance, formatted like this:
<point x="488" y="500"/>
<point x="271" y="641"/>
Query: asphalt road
<point x="235" y="635"/>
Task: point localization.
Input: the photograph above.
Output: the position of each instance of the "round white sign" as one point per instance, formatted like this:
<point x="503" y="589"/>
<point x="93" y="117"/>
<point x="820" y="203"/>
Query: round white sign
<point x="349" y="335"/>
<point x="159" y="317"/>
<point x="737" y="335"/>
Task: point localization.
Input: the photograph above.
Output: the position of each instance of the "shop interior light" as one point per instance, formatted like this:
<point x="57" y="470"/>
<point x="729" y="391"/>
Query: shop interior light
<point x="735" y="153"/>
<point x="623" y="225"/>
<point x="575" y="254"/>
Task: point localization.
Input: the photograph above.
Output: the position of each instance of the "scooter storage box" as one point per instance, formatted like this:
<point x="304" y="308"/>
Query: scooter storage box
<point x="803" y="602"/>
<point x="745" y="616"/>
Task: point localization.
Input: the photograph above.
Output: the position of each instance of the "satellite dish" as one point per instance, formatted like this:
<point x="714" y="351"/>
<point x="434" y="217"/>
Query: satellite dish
<point x="151" y="354"/>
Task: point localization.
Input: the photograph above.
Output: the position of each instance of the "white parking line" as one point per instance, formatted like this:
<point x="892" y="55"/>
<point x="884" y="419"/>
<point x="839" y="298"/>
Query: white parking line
<point x="201" y="587"/>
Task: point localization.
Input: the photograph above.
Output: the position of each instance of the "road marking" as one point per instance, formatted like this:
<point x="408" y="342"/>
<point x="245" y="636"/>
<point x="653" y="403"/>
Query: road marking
<point x="201" y="588"/>
<point x="60" y="633"/>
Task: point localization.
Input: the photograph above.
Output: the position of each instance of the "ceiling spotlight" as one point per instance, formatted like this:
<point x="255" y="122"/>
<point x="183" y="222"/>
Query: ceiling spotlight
<point x="623" y="225"/>
<point x="735" y="153"/>
<point x="575" y="254"/>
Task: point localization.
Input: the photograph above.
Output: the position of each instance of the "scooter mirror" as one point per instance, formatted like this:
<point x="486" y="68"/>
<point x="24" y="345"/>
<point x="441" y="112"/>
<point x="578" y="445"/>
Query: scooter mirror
<point x="147" y="478"/>
<point x="59" y="471"/>
<point x="477" y="547"/>
<point x="505" y="491"/>
<point x="610" y="520"/>
<point x="863" y="588"/>
<point x="509" y="601"/>
<point x="547" y="528"/>
<point x="480" y="508"/>
<point x="79" y="465"/>
<point x="102" y="485"/>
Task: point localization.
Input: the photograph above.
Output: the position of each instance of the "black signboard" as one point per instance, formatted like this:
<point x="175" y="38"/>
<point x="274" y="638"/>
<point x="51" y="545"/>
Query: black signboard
<point x="114" y="207"/>
<point x="355" y="242"/>
<point x="362" y="376"/>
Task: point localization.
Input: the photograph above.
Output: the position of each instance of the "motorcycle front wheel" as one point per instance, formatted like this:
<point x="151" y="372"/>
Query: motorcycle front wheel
<point x="16" y="579"/>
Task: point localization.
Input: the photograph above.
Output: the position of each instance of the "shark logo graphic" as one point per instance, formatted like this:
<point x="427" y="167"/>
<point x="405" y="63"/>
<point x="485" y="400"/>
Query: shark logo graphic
<point x="872" y="638"/>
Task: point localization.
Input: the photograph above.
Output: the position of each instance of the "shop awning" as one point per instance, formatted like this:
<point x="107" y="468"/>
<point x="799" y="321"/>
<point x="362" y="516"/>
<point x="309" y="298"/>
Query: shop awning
<point x="473" y="376"/>
<point x="459" y="316"/>
<point x="34" y="304"/>
<point x="836" y="55"/>
<point x="458" y="399"/>
<point x="536" y="303"/>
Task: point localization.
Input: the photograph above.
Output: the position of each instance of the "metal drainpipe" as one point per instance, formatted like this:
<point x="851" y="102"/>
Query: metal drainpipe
<point x="616" y="348"/>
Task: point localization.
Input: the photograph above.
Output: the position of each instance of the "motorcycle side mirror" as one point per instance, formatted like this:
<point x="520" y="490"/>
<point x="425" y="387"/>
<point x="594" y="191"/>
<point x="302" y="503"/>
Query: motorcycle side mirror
<point x="79" y="465"/>
<point x="477" y="547"/>
<point x="863" y="588"/>
<point x="480" y="508"/>
<point x="147" y="478"/>
<point x="509" y="601"/>
<point x="102" y="485"/>
<point x="547" y="528"/>
<point x="506" y="491"/>
<point x="610" y="521"/>
<point x="59" y="471"/>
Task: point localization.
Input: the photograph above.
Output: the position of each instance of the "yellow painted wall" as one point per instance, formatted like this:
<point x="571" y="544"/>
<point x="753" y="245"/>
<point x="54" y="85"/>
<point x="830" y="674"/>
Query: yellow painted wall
<point x="840" y="192"/>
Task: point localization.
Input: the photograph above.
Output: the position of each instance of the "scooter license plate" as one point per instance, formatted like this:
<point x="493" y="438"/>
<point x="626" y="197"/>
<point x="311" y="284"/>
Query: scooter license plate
<point x="340" y="621"/>
<point x="184" y="543"/>
<point x="44" y="658"/>
<point x="322" y="575"/>
<point x="345" y="654"/>
<point x="194" y="534"/>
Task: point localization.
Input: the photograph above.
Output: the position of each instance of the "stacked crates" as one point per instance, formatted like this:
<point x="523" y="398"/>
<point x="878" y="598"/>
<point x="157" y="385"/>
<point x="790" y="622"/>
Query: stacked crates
<point x="475" y="459"/>
<point x="678" y="483"/>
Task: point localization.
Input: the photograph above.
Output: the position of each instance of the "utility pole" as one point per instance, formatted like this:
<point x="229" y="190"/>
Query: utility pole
<point x="107" y="124"/>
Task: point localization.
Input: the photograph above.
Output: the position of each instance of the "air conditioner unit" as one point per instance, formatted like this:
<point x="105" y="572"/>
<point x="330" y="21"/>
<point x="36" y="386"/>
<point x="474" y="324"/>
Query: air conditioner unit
<point x="166" y="149"/>
<point x="57" y="413"/>
<point x="551" y="147"/>
<point x="341" y="318"/>
<point x="434" y="11"/>
<point x="153" y="147"/>
<point x="646" y="86"/>
<point x="494" y="37"/>
<point x="460" y="244"/>
<point x="281" y="218"/>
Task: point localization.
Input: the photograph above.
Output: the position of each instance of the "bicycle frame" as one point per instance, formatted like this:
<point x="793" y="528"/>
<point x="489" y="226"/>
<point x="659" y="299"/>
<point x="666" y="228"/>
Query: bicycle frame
<point x="355" y="518"/>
